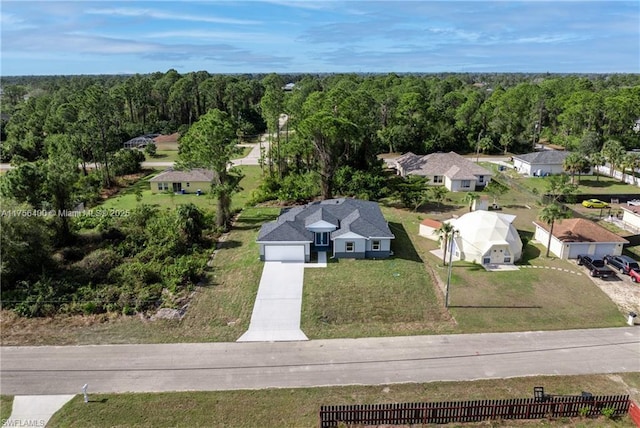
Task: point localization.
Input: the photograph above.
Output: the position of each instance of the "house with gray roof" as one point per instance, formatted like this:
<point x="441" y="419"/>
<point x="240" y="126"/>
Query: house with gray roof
<point x="546" y="162"/>
<point x="451" y="170"/>
<point x="195" y="180"/>
<point x="342" y="228"/>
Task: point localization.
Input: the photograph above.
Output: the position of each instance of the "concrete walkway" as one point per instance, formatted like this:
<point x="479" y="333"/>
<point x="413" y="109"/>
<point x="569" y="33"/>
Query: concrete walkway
<point x="35" y="410"/>
<point x="276" y="313"/>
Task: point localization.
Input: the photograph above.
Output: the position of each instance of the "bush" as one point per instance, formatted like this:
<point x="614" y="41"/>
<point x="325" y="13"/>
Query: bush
<point x="299" y="187"/>
<point x="368" y="185"/>
<point x="150" y="149"/>
<point x="126" y="161"/>
<point x="97" y="264"/>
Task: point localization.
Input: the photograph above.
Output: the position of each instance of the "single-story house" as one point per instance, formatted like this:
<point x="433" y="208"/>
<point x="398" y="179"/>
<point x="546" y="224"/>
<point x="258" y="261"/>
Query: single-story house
<point x="344" y="228"/>
<point x="486" y="237"/>
<point x="546" y="162"/>
<point x="428" y="228"/>
<point x="631" y="216"/>
<point x="575" y="236"/>
<point x="451" y="170"/>
<point x="188" y="181"/>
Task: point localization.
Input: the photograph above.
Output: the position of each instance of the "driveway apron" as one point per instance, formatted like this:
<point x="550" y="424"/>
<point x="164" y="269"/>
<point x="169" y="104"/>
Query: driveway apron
<point x="276" y="313"/>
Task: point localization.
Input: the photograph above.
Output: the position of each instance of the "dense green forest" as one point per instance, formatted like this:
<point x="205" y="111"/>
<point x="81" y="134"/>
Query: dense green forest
<point x="64" y="136"/>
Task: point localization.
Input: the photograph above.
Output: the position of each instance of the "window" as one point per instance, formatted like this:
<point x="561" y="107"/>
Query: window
<point x="486" y="260"/>
<point x="163" y="186"/>
<point x="507" y="259"/>
<point x="349" y="247"/>
<point x="481" y="179"/>
<point x="438" y="179"/>
<point x="465" y="184"/>
<point x="375" y="246"/>
<point x="187" y="184"/>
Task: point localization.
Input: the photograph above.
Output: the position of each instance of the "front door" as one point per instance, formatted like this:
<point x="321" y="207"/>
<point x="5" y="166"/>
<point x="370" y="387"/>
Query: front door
<point x="177" y="187"/>
<point x="322" y="239"/>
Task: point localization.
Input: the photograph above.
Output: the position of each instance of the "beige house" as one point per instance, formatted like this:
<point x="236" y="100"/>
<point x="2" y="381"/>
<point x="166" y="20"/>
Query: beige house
<point x="450" y="170"/>
<point x="196" y="180"/>
<point x="575" y="236"/>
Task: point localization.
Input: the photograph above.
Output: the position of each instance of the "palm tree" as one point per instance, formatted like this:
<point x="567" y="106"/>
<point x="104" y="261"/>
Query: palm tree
<point x="445" y="231"/>
<point x="574" y="163"/>
<point x="596" y="159"/>
<point x="550" y="214"/>
<point x="613" y="152"/>
<point x="629" y="161"/>
<point x="470" y="198"/>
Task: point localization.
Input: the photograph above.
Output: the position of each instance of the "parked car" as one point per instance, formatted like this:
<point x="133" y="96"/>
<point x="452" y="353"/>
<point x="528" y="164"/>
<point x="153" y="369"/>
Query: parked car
<point x="594" y="203"/>
<point x="634" y="203"/>
<point x="596" y="267"/>
<point x="623" y="263"/>
<point x="634" y="275"/>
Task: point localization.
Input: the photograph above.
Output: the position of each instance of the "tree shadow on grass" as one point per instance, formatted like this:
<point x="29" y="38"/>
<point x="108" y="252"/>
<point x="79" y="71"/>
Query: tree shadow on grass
<point x="228" y="245"/>
<point x="402" y="245"/>
<point x="494" y="307"/>
<point x="529" y="252"/>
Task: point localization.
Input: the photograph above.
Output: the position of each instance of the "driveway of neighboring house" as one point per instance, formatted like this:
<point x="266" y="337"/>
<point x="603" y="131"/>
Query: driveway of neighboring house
<point x="276" y="313"/>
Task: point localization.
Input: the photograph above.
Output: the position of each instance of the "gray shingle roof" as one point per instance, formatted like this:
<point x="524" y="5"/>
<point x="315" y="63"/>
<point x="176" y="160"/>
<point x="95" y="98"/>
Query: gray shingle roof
<point x="450" y="164"/>
<point x="545" y="157"/>
<point x="349" y="215"/>
<point x="196" y="174"/>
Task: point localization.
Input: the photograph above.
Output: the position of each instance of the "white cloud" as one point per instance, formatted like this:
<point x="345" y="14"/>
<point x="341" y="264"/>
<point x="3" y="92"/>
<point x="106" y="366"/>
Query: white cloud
<point x="10" y="22"/>
<point x="150" y="13"/>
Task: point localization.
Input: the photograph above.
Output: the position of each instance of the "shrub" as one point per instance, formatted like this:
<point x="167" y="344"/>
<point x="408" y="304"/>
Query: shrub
<point x="299" y="187"/>
<point x="151" y="149"/>
<point x="97" y="264"/>
<point x="127" y="161"/>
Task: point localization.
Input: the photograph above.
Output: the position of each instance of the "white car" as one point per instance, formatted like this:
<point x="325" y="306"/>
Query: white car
<point x="634" y="202"/>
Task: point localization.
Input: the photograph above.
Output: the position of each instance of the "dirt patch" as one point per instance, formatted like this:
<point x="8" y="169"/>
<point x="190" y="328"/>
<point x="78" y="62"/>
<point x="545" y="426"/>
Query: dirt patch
<point x="622" y="291"/>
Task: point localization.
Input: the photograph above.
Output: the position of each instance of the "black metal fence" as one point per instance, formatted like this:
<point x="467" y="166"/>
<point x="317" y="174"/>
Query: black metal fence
<point x="474" y="411"/>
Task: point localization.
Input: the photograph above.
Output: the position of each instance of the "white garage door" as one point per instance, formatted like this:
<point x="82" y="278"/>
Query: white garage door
<point x="284" y="253"/>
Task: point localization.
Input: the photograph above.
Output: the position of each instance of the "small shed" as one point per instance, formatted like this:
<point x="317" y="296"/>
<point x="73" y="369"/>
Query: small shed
<point x="428" y="228"/>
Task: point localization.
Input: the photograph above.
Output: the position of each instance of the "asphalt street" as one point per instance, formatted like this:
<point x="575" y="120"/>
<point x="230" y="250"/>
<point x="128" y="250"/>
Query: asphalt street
<point x="229" y="366"/>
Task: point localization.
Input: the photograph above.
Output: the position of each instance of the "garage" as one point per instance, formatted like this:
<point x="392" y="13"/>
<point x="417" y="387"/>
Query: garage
<point x="284" y="253"/>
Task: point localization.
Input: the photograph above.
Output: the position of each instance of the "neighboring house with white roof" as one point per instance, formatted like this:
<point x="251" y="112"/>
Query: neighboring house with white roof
<point x="344" y="228"/>
<point x="546" y="162"/>
<point x="196" y="180"/>
<point x="486" y="237"/>
<point x="451" y="170"/>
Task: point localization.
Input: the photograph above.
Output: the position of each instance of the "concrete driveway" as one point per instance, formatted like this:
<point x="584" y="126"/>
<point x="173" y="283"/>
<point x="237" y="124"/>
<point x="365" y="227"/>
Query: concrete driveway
<point x="276" y="313"/>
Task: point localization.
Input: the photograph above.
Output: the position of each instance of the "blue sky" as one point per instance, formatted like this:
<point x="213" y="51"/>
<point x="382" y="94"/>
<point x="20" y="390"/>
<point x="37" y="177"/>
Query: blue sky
<point x="95" y="37"/>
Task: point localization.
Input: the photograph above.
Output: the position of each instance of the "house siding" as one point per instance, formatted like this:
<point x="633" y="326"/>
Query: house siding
<point x="571" y="250"/>
<point x="204" y="186"/>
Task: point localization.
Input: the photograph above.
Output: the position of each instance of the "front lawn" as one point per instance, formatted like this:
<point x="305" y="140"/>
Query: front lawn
<point x="589" y="184"/>
<point x="127" y="199"/>
<point x="300" y="407"/>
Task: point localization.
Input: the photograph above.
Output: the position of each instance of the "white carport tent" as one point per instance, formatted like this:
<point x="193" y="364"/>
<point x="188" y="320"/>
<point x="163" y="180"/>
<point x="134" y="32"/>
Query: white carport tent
<point x="284" y="253"/>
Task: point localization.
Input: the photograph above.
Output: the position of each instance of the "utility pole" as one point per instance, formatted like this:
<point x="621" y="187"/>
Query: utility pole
<point x="446" y="294"/>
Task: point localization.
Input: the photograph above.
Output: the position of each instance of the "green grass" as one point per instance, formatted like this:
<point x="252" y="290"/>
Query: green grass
<point x="162" y="156"/>
<point x="300" y="407"/>
<point x="6" y="404"/>
<point x="219" y="311"/>
<point x="360" y="298"/>
<point x="126" y="198"/>
<point x="588" y="184"/>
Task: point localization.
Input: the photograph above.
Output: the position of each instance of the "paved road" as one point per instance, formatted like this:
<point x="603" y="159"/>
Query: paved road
<point x="228" y="366"/>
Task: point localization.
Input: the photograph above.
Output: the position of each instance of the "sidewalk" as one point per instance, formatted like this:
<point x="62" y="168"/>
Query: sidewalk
<point x="35" y="410"/>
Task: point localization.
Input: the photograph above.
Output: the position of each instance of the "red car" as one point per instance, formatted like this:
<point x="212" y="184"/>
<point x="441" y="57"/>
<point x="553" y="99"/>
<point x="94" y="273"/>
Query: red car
<point x="634" y="275"/>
